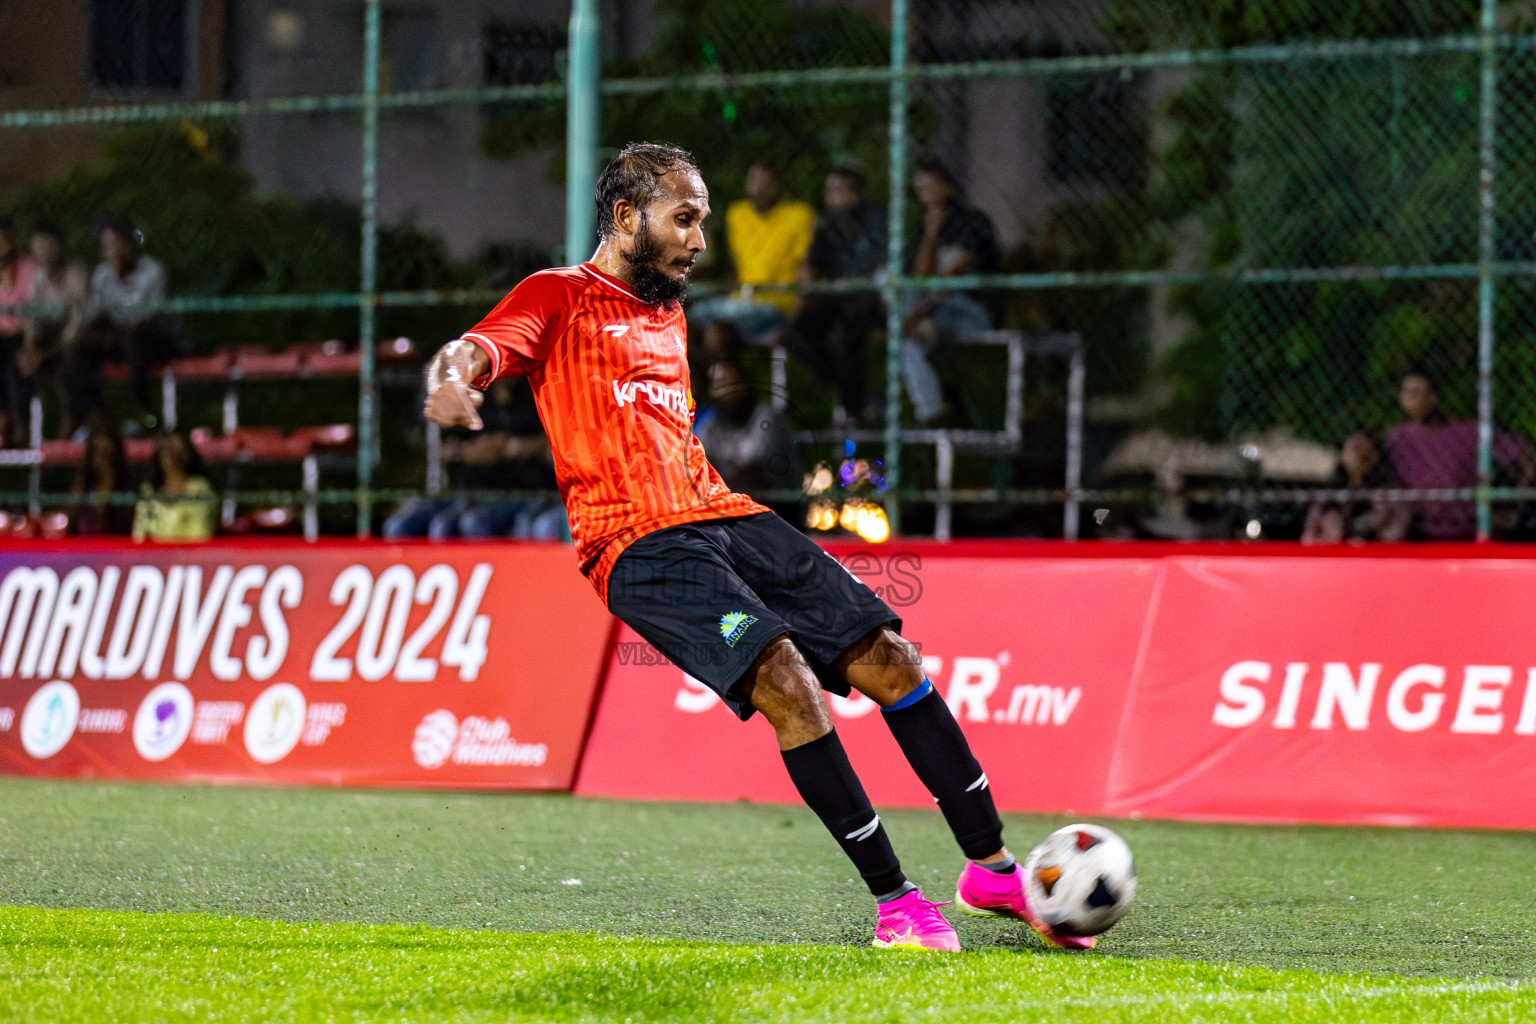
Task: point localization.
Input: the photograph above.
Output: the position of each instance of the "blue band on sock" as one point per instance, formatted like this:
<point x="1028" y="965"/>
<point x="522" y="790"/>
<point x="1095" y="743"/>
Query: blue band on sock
<point x="911" y="698"/>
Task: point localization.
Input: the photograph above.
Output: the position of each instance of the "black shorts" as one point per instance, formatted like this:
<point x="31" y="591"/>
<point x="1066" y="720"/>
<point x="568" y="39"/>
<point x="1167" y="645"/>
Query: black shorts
<point x="711" y="595"/>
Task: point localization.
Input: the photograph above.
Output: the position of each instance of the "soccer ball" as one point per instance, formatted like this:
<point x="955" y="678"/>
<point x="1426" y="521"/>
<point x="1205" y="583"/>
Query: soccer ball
<point x="1080" y="879"/>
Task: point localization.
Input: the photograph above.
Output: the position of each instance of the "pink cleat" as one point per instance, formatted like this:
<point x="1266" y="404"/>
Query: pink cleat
<point x="988" y="894"/>
<point x="915" y="923"/>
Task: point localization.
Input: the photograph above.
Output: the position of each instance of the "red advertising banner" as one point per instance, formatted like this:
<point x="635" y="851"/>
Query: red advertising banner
<point x="1382" y="691"/>
<point x="458" y="665"/>
<point x="1388" y="689"/>
<point x="1032" y="654"/>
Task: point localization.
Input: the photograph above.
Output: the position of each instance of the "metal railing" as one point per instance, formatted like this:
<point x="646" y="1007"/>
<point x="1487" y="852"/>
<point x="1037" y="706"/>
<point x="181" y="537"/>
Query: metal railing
<point x="582" y="91"/>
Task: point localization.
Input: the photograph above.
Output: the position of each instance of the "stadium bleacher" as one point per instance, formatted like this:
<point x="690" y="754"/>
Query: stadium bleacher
<point x="231" y="445"/>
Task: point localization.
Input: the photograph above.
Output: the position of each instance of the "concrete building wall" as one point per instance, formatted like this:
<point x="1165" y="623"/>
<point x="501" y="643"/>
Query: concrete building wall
<point x="432" y="170"/>
<point x="45" y="64"/>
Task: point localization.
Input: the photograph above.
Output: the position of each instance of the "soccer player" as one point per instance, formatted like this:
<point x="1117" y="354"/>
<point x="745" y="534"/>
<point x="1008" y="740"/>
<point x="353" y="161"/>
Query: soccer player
<point x="724" y="588"/>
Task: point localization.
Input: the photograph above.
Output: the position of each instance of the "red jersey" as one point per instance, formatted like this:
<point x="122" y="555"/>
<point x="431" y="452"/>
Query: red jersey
<point x="610" y="378"/>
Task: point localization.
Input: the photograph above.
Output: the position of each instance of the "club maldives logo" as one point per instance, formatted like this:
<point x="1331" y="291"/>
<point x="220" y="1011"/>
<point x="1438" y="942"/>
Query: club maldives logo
<point x="163" y="721"/>
<point x="441" y="738"/>
<point x="733" y="625"/>
<point x="50" y="719"/>
<point x="275" y="723"/>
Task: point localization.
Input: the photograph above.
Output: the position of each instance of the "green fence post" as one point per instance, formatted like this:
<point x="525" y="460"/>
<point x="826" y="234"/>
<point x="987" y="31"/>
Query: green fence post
<point x="895" y="222"/>
<point x="581" y="128"/>
<point x="367" y="412"/>
<point x="1486" y="142"/>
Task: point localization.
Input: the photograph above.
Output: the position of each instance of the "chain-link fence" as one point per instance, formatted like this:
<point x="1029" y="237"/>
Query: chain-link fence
<point x="1181" y="269"/>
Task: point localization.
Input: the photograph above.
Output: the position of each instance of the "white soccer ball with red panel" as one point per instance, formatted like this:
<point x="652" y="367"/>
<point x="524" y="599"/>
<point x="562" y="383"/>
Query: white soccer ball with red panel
<point x="1080" y="880"/>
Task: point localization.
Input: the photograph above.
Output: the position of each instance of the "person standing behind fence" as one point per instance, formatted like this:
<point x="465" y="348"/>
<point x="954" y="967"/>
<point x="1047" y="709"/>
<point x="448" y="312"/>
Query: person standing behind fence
<point x="749" y="444"/>
<point x="1361" y="467"/>
<point x="1429" y="451"/>
<point x="127" y="289"/>
<point x="953" y="238"/>
<point x="768" y="234"/>
<point x="830" y="333"/>
<point x="16" y="273"/>
<point x="65" y="284"/>
<point x="103" y="472"/>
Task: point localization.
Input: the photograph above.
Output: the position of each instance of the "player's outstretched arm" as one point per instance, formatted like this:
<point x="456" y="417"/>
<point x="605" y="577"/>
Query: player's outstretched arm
<point x="451" y="402"/>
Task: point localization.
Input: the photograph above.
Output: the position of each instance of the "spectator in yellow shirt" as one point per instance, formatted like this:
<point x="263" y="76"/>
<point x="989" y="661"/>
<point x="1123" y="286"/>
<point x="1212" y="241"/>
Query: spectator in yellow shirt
<point x="768" y="235"/>
<point x="177" y="503"/>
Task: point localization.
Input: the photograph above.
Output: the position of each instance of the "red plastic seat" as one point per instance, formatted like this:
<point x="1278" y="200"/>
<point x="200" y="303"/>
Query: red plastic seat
<point x="335" y="437"/>
<point x="267" y="444"/>
<point x="258" y="362"/>
<point x="209" y="367"/>
<point x="330" y="359"/>
<point x="139" y="450"/>
<point x="115" y="372"/>
<point x="62" y="453"/>
<point x="54" y="525"/>
<point x="216" y="447"/>
<point x="278" y="519"/>
<point x="18" y="525"/>
<point x="394" y="351"/>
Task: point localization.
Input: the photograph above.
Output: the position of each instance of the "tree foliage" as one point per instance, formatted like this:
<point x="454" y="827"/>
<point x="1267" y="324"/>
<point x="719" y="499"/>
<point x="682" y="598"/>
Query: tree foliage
<point x="802" y="129"/>
<point x="200" y="215"/>
<point x="1348" y="162"/>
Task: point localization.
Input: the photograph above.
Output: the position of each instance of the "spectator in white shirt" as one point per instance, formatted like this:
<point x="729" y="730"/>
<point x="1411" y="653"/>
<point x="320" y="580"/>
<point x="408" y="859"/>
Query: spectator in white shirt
<point x="127" y="289"/>
<point x="64" y="284"/>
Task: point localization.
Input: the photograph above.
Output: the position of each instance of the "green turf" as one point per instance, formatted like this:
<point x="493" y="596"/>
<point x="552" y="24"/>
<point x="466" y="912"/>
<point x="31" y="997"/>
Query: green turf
<point x="1443" y="905"/>
<point x="113" y="966"/>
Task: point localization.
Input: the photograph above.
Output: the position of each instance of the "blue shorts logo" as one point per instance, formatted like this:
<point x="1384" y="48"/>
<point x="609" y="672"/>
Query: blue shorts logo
<point x="733" y="624"/>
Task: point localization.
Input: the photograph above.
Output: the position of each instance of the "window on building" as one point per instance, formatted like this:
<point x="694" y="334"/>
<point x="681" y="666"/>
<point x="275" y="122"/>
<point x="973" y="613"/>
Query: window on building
<point x="1096" y="129"/>
<point x="139" y="45"/>
<point x="520" y="53"/>
<point x="516" y="53"/>
<point x="412" y="51"/>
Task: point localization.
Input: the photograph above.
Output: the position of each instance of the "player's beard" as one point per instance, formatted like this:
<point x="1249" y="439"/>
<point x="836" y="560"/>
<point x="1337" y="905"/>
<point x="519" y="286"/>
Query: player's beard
<point x="651" y="284"/>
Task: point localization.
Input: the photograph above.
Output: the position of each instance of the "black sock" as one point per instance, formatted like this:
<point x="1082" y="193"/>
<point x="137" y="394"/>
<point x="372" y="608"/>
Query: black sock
<point x="937" y="750"/>
<point x="821" y="772"/>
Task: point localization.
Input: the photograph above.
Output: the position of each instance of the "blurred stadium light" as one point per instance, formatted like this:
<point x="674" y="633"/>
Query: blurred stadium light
<point x="1256" y="217"/>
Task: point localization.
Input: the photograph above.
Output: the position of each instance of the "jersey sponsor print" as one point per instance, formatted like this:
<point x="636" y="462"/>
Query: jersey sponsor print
<point x="610" y="377"/>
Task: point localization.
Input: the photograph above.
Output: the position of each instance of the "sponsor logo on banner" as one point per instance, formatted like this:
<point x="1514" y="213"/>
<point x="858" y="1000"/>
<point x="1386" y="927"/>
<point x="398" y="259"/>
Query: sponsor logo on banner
<point x="275" y="723"/>
<point x="102" y="720"/>
<point x="288" y="662"/>
<point x="441" y="738"/>
<point x="321" y="719"/>
<point x="214" y="719"/>
<point x="974" y="692"/>
<point x="50" y="719"/>
<point x="1372" y="695"/>
<point x="163" y="721"/>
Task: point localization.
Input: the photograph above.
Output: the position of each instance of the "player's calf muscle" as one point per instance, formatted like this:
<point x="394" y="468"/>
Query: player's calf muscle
<point x="883" y="665"/>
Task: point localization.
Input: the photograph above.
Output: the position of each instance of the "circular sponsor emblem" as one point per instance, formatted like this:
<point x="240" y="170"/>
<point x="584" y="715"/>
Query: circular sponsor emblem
<point x="163" y="721"/>
<point x="434" y="739"/>
<point x="274" y="723"/>
<point x="50" y="719"/>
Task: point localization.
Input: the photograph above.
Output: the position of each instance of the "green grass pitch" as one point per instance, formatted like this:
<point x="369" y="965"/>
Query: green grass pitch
<point x="331" y="905"/>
